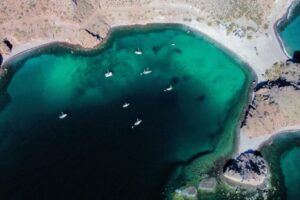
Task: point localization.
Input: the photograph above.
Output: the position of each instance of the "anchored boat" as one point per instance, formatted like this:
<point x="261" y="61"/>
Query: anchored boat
<point x="108" y="74"/>
<point x="125" y="105"/>
<point x="62" y="115"/>
<point x="168" y="89"/>
<point x="137" y="123"/>
<point x="138" y="51"/>
<point x="146" y="71"/>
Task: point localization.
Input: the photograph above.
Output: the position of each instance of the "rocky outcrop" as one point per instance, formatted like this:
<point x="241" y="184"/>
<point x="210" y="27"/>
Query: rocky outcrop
<point x="189" y="192"/>
<point x="295" y="58"/>
<point x="249" y="168"/>
<point x="208" y="184"/>
<point x="1" y="59"/>
<point x="4" y="49"/>
<point x="275" y="104"/>
<point x="95" y="35"/>
<point x="75" y="2"/>
<point x="8" y="44"/>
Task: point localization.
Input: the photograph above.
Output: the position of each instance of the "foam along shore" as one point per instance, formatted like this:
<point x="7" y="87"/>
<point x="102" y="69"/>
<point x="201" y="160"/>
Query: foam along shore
<point x="247" y="142"/>
<point x="19" y="49"/>
<point x="284" y="19"/>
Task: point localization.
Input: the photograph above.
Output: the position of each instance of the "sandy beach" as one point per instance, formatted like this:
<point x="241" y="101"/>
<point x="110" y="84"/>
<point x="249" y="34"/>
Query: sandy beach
<point x="25" y="47"/>
<point x="247" y="143"/>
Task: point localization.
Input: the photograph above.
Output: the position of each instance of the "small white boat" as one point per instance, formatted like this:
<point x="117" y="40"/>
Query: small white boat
<point x="138" y="52"/>
<point x="125" y="105"/>
<point x="168" y="89"/>
<point x="172" y="44"/>
<point x="137" y="122"/>
<point x="62" y="115"/>
<point x="108" y="74"/>
<point x="146" y="71"/>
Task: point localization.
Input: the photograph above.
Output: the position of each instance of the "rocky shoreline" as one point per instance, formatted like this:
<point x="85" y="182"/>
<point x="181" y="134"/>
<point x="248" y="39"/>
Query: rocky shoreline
<point x="247" y="169"/>
<point x="275" y="102"/>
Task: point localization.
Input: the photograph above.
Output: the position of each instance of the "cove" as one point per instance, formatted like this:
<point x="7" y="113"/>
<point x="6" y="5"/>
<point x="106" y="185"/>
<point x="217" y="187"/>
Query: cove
<point x="283" y="158"/>
<point x="94" y="153"/>
<point x="289" y="31"/>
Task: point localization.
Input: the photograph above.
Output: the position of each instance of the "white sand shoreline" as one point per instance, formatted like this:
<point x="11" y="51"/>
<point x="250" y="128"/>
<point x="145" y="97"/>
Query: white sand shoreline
<point x="25" y="48"/>
<point x="257" y="143"/>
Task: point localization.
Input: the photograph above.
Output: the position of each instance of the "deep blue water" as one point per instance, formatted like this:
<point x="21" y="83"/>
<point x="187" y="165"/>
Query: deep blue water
<point x="94" y="153"/>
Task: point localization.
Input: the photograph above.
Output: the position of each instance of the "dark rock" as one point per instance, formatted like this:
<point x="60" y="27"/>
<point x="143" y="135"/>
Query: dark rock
<point x="94" y="34"/>
<point x="246" y="166"/>
<point x="75" y="2"/>
<point x="177" y="50"/>
<point x="156" y="49"/>
<point x="295" y="58"/>
<point x="1" y="59"/>
<point x="8" y="44"/>
<point x="280" y="82"/>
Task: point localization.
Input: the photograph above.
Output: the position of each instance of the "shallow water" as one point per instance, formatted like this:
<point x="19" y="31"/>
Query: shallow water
<point x="290" y="32"/>
<point x="290" y="164"/>
<point x="94" y="152"/>
<point x="283" y="158"/>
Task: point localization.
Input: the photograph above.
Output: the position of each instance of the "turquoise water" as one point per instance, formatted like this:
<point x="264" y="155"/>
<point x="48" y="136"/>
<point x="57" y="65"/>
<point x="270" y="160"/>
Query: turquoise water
<point x="290" y="32"/>
<point x="283" y="158"/>
<point x="94" y="153"/>
<point x="290" y="164"/>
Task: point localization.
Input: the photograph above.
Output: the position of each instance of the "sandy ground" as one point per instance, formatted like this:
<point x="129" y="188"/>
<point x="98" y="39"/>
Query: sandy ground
<point x="274" y="109"/>
<point x="258" y="142"/>
<point x="25" y="47"/>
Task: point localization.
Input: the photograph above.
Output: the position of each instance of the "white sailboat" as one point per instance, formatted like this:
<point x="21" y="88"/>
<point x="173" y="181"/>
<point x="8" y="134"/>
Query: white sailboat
<point x="108" y="74"/>
<point x="62" y="115"/>
<point x="138" y="51"/>
<point x="137" y="123"/>
<point x="146" y="71"/>
<point x="125" y="105"/>
<point x="168" y="89"/>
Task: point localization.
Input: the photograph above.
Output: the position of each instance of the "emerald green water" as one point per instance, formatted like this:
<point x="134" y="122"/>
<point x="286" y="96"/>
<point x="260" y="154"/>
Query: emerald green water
<point x="283" y="158"/>
<point x="94" y="153"/>
<point x="290" y="163"/>
<point x="290" y="31"/>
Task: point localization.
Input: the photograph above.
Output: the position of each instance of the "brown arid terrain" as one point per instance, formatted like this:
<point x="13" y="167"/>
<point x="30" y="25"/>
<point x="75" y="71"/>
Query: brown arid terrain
<point x="243" y="26"/>
<point x="275" y="107"/>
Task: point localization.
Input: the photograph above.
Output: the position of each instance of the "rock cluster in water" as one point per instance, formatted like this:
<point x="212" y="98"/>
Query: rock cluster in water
<point x="249" y="168"/>
<point x="295" y="58"/>
<point x="189" y="192"/>
<point x="208" y="184"/>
